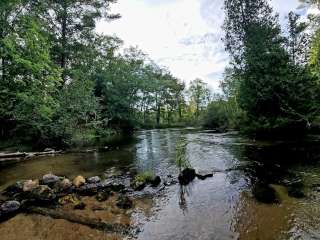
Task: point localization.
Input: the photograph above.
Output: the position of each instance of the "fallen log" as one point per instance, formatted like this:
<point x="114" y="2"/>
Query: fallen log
<point x="74" y="218"/>
<point x="13" y="155"/>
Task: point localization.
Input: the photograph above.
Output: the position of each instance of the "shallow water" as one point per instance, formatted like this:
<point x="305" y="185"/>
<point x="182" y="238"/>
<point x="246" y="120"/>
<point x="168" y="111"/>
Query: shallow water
<point x="230" y="205"/>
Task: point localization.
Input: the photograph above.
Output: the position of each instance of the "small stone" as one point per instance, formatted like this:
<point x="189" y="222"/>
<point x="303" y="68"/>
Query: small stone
<point x="65" y="184"/>
<point x="29" y="185"/>
<point x="124" y="202"/>
<point x="10" y="207"/>
<point x="49" y="179"/>
<point x="94" y="179"/>
<point x="79" y="181"/>
<point x="88" y="189"/>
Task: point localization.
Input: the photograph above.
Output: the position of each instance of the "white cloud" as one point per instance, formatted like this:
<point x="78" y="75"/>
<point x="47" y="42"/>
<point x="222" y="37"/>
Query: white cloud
<point x="183" y="35"/>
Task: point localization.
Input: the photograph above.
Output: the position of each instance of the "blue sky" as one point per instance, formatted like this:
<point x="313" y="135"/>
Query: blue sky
<point x="182" y="35"/>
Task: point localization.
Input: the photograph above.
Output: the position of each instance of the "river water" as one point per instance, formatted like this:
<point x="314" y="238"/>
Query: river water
<point x="260" y="190"/>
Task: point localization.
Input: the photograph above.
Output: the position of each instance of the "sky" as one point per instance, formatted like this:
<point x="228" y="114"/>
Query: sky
<point x="181" y="35"/>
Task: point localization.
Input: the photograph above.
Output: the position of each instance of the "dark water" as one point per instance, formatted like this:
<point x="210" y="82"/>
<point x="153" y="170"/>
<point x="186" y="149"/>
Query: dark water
<point x="260" y="190"/>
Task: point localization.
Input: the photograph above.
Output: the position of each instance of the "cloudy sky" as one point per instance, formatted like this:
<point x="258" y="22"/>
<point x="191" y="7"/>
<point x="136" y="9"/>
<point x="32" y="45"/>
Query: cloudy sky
<point x="183" y="35"/>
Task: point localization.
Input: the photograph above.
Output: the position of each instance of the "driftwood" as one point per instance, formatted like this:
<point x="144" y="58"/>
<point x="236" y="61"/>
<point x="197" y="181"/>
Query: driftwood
<point x="13" y="155"/>
<point x="74" y="218"/>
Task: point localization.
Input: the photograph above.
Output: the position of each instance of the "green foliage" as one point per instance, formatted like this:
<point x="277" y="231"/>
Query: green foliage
<point x="181" y="152"/>
<point x="222" y="115"/>
<point x="143" y="177"/>
<point x="269" y="77"/>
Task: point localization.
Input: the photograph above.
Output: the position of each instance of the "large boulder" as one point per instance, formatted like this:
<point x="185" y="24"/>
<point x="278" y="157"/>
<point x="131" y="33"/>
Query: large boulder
<point x="49" y="179"/>
<point x="187" y="176"/>
<point x="10" y="207"/>
<point x="79" y="181"/>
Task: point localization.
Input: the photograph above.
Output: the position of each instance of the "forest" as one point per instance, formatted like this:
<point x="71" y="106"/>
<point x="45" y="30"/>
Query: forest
<point x="64" y="84"/>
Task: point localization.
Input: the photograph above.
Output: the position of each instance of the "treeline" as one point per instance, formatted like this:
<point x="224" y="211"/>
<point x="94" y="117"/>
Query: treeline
<point x="62" y="83"/>
<point x="272" y="82"/>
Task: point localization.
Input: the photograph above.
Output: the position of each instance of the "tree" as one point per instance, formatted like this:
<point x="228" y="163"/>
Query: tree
<point x="270" y="76"/>
<point x="199" y="94"/>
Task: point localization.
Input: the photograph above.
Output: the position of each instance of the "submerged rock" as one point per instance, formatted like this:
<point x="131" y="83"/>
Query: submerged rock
<point x="94" y="179"/>
<point x="10" y="207"/>
<point x="124" y="202"/>
<point x="79" y="181"/>
<point x="155" y="182"/>
<point x="264" y="193"/>
<point x="49" y="179"/>
<point x="187" y="176"/>
<point x="295" y="192"/>
<point x="103" y="196"/>
<point x="202" y="175"/>
<point x="69" y="199"/>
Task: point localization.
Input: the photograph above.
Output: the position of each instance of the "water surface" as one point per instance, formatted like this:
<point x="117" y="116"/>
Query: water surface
<point x="230" y="205"/>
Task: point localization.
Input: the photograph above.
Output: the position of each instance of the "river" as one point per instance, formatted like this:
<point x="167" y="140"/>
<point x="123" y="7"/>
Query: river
<point x="260" y="189"/>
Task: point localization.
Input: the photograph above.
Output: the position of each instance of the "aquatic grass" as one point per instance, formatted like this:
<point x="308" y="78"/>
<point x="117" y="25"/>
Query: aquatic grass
<point x="146" y="176"/>
<point x="181" y="152"/>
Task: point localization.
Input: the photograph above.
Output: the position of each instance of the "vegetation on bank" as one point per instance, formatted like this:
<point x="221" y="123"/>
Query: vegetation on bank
<point x="272" y="83"/>
<point x="64" y="84"/>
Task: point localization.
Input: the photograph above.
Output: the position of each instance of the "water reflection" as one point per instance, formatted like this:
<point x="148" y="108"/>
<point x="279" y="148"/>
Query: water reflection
<point x="231" y="204"/>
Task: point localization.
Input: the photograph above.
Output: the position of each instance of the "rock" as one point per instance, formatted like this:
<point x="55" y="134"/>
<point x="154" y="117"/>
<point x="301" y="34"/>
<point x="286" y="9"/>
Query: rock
<point x="187" y="176"/>
<point x="116" y="185"/>
<point x="139" y="186"/>
<point x="202" y="175"/>
<point x="264" y="193"/>
<point x="10" y="207"/>
<point x="43" y="194"/>
<point x="95" y="179"/>
<point x="103" y="196"/>
<point x="14" y="189"/>
<point x="124" y="202"/>
<point x="65" y="184"/>
<point x="29" y="185"/>
<point x="156" y="181"/>
<point x="88" y="189"/>
<point x="80" y="206"/>
<point x="79" y="181"/>
<point x="69" y="199"/>
<point x="295" y="192"/>
<point x="49" y="179"/>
